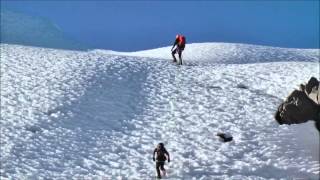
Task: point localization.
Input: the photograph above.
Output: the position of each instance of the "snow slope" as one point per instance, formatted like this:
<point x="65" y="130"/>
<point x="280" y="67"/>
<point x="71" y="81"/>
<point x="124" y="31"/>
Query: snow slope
<point x="97" y="115"/>
<point x="18" y="28"/>
<point x="228" y="53"/>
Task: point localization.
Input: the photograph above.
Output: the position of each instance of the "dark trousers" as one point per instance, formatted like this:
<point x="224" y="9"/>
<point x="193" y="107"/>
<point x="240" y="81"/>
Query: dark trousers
<point x="179" y="51"/>
<point x="159" y="165"/>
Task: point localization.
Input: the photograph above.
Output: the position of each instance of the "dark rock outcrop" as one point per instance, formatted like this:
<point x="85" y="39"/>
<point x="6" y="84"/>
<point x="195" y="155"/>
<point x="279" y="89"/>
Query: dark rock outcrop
<point x="301" y="105"/>
<point x="224" y="137"/>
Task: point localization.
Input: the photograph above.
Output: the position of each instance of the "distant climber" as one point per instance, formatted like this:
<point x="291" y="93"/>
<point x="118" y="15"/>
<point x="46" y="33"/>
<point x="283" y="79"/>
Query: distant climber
<point x="180" y="44"/>
<point x="301" y="105"/>
<point x="161" y="156"/>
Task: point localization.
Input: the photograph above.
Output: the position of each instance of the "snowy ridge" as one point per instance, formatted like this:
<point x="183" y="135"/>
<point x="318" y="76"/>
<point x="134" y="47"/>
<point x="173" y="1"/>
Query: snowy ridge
<point x="229" y="53"/>
<point x="18" y="28"/>
<point x="69" y="114"/>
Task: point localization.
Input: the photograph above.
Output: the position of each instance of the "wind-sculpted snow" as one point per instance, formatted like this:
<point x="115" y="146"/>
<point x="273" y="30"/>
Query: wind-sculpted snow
<point x="91" y="115"/>
<point x="227" y="53"/>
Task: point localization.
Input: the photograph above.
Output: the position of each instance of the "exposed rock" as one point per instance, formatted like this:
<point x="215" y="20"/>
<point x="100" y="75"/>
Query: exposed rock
<point x="301" y="105"/>
<point x="242" y="86"/>
<point x="225" y="137"/>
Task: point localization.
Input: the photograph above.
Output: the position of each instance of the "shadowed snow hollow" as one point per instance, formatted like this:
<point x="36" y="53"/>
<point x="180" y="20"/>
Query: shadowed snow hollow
<point x="94" y="115"/>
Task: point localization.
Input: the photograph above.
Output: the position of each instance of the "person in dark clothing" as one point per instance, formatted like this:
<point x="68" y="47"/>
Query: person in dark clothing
<point x="161" y="156"/>
<point x="180" y="44"/>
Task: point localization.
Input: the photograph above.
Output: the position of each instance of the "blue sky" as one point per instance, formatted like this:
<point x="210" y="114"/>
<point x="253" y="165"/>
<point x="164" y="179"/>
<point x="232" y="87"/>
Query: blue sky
<point x="138" y="25"/>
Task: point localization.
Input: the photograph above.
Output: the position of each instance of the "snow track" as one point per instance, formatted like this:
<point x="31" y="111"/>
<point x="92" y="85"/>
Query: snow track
<point x="92" y="115"/>
<point x="191" y="104"/>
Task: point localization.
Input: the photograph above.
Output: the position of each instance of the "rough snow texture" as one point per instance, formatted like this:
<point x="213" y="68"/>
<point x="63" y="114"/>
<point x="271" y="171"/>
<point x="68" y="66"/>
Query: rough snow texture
<point x="86" y="115"/>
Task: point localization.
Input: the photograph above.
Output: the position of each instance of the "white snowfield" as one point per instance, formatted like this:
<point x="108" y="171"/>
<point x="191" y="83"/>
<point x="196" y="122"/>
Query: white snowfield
<point x="228" y="53"/>
<point x="100" y="114"/>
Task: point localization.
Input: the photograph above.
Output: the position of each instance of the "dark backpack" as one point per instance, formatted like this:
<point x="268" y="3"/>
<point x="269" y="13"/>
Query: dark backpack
<point x="161" y="155"/>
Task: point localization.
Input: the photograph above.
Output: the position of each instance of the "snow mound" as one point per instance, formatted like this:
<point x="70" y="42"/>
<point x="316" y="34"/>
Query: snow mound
<point x="89" y="115"/>
<point x="17" y="28"/>
<point x="196" y="53"/>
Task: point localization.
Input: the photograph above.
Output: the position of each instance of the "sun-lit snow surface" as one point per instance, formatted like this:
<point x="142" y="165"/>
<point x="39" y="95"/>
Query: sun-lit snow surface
<point x="228" y="53"/>
<point x="69" y="114"/>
